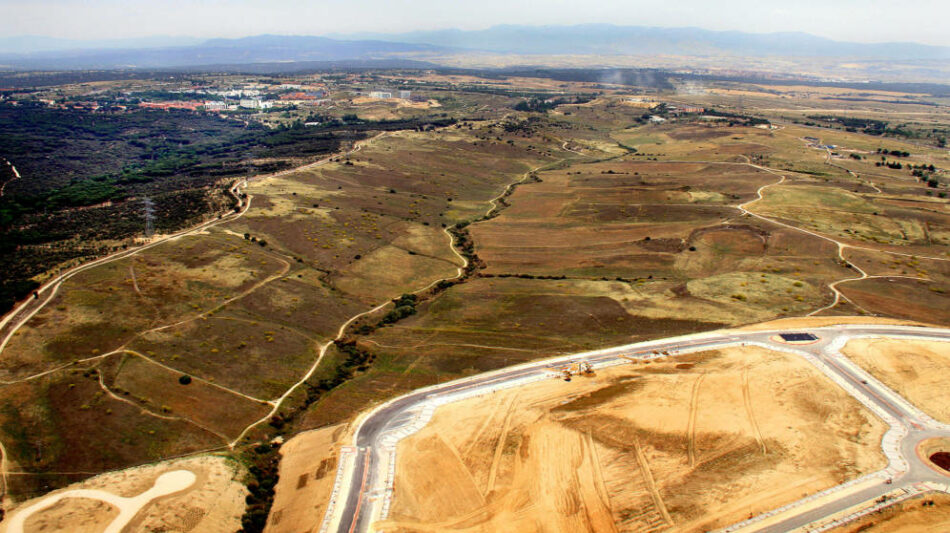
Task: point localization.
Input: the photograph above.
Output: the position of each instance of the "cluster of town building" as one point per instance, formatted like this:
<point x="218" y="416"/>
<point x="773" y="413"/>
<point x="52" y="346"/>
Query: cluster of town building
<point x="387" y="94"/>
<point x="216" y="97"/>
<point x="247" y="96"/>
<point x="260" y="96"/>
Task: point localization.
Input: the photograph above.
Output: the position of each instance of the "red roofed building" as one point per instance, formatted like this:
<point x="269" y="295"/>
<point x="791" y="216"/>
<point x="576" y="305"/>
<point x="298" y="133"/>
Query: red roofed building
<point x="191" y="106"/>
<point x="297" y="96"/>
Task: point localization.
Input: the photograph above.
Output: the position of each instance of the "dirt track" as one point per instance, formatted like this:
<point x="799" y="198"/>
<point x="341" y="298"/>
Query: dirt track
<point x="198" y="494"/>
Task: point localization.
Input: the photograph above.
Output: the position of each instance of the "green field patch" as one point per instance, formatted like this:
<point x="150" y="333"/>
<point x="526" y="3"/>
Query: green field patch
<point x="760" y="292"/>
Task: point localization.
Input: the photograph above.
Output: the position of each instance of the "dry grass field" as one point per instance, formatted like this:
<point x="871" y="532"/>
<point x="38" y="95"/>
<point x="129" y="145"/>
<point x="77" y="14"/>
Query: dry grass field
<point x="690" y="443"/>
<point x="239" y="311"/>
<point x="585" y="228"/>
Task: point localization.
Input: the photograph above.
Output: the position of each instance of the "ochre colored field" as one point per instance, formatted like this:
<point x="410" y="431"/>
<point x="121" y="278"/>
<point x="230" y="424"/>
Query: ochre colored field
<point x="929" y="513"/>
<point x="692" y="442"/>
<point x="915" y="369"/>
<point x="308" y="470"/>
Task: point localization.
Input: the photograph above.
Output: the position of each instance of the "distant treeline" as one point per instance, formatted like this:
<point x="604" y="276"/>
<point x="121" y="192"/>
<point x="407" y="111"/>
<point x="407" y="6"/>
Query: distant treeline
<point x="73" y="159"/>
<point x="736" y="118"/>
<point x="646" y="78"/>
<point x="936" y="89"/>
<point x="866" y="125"/>
<point x="27" y="79"/>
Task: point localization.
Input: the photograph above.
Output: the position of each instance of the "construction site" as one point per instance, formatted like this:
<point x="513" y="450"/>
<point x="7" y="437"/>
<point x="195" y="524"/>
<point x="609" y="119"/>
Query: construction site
<point x="560" y="454"/>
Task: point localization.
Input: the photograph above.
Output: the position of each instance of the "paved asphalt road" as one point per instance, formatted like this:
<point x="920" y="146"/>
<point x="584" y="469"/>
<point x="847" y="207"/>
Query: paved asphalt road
<point x="358" y="507"/>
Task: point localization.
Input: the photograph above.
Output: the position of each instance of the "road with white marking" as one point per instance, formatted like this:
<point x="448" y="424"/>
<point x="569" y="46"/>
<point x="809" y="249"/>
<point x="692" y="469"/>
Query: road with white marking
<point x="363" y="491"/>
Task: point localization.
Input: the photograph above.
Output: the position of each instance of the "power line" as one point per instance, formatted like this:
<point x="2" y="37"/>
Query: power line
<point x="149" y="216"/>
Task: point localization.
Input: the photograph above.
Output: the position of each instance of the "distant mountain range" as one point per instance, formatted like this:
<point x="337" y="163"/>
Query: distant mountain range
<point x="243" y="51"/>
<point x="25" y="44"/>
<point x="608" y="39"/>
<point x="601" y="39"/>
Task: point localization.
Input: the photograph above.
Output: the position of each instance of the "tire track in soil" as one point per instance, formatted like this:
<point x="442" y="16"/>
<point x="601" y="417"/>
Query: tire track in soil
<point x="500" y="446"/>
<point x="747" y="399"/>
<point x="481" y="430"/>
<point x="691" y="427"/>
<point x="651" y="484"/>
<point x="598" y="472"/>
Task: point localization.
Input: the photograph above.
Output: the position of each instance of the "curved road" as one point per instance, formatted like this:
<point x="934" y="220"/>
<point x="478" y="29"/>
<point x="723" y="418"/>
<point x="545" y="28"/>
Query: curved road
<point x="363" y="487"/>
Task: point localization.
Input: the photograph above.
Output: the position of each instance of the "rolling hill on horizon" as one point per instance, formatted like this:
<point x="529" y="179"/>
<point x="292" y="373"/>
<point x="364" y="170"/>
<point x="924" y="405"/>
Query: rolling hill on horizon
<point x="643" y="40"/>
<point x="30" y="52"/>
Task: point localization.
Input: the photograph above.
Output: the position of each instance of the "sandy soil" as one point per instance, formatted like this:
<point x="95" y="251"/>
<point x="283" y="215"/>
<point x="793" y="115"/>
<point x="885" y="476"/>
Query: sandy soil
<point x="915" y="369"/>
<point x="687" y="444"/>
<point x="73" y="514"/>
<point x="912" y="516"/>
<point x="214" y="503"/>
<point x="307" y="471"/>
<point x="820" y="321"/>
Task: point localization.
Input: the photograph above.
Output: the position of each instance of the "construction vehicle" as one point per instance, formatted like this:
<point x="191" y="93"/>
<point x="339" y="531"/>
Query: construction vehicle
<point x="574" y="368"/>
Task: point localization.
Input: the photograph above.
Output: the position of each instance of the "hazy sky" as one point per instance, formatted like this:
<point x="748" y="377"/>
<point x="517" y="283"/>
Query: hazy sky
<point x="924" y="21"/>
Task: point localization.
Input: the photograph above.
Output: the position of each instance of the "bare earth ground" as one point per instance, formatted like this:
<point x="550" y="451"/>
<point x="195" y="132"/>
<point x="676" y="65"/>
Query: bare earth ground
<point x="819" y="321"/>
<point x="308" y="470"/>
<point x="915" y="515"/>
<point x="213" y="504"/>
<point x="916" y="369"/>
<point x="565" y="265"/>
<point x="690" y="443"/>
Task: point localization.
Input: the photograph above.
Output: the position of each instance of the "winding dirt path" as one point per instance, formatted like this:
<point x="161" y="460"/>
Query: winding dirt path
<point x="26" y="310"/>
<point x="16" y="176"/>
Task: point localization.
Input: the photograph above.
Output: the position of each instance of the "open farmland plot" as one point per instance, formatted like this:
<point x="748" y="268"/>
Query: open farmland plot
<point x="925" y="301"/>
<point x="494" y="322"/>
<point x="62" y="427"/>
<point x="612" y="219"/>
<point x="260" y="359"/>
<point x="700" y="142"/>
<point x="688" y="443"/>
<point x="856" y="219"/>
<point x="669" y="232"/>
<point x="221" y="410"/>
